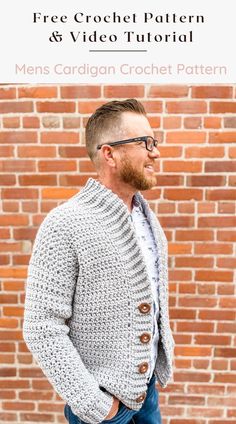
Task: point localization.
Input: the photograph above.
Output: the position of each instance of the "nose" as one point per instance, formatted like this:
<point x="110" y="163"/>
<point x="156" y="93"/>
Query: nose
<point x="155" y="153"/>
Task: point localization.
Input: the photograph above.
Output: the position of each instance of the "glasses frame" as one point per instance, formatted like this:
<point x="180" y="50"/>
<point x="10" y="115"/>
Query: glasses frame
<point x="132" y="140"/>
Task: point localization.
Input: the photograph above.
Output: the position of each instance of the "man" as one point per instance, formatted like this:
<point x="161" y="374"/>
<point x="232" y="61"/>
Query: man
<point x="96" y="312"/>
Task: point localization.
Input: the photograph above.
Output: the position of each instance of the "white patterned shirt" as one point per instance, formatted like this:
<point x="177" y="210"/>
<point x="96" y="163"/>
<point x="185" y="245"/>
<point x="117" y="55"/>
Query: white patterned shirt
<point x="149" y="250"/>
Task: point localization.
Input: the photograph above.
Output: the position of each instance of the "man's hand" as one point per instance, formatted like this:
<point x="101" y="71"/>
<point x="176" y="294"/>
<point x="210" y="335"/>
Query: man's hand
<point x="114" y="409"/>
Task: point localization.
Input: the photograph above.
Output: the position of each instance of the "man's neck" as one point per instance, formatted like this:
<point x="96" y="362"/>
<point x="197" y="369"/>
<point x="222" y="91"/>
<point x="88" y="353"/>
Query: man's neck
<point x="124" y="191"/>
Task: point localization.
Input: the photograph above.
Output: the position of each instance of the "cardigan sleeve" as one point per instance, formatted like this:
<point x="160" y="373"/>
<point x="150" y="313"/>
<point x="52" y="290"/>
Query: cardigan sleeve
<point x="53" y="273"/>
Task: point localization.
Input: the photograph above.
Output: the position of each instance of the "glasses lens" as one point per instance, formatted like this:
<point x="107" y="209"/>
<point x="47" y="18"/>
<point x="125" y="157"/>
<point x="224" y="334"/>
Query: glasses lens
<point x="150" y="143"/>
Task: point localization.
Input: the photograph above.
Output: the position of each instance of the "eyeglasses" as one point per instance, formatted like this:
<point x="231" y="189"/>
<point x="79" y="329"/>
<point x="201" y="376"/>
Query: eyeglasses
<point x="149" y="141"/>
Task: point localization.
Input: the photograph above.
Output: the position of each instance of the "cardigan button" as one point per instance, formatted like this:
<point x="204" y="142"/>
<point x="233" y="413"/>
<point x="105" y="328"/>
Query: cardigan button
<point x="141" y="398"/>
<point x="144" y="308"/>
<point x="145" y="338"/>
<point x="143" y="367"/>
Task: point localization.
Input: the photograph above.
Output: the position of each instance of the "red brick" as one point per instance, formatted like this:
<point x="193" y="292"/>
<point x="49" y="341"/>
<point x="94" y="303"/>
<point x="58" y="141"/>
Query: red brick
<point x="89" y="106"/>
<point x="192" y="122"/>
<point x="73" y="180"/>
<point x="215" y="248"/>
<point x="55" y="107"/>
<point x="226" y="235"/>
<point x="186" y="421"/>
<point x="216" y="315"/>
<point x="211" y="91"/>
<point x="126" y="91"/>
<point x="222" y="107"/>
<point x="13" y="311"/>
<point x="171" y="122"/>
<point x="192" y="376"/>
<point x="58" y="137"/>
<point x="19" y="193"/>
<point x="228" y="303"/>
<point x="182" y="166"/>
<point x="80" y="91"/>
<point x="57" y="165"/>
<point x="230" y="122"/>
<point x="220" y="166"/>
<point x="21" y="406"/>
<point x="212" y="340"/>
<point x="183" y="400"/>
<point x="208" y="389"/>
<point x="72" y="122"/>
<point x="7" y="180"/>
<point x="39" y="180"/>
<point x="30" y="372"/>
<point x="17" y="165"/>
<point x="183" y="194"/>
<point x="72" y="151"/>
<point x="8" y="417"/>
<point x="10" y="206"/>
<point x="187" y="107"/>
<point x="6" y="151"/>
<point x="186" y="137"/>
<point x="232" y="180"/>
<point x="154" y="121"/>
<point x="58" y="193"/>
<point x="8" y="372"/>
<point x="212" y="122"/>
<point x="226" y="263"/>
<point x="36" y="417"/>
<point x="13" y="285"/>
<point x="195" y="327"/>
<point x="221" y="194"/>
<point x="11" y="122"/>
<point x="199" y="302"/>
<point x="36" y="395"/>
<point x="176" y="221"/>
<point x="31" y="122"/>
<point x="206" y="180"/>
<point x="37" y="92"/>
<point x="36" y="151"/>
<point x="209" y="275"/>
<point x="225" y="378"/>
<point x="222" y="137"/>
<point x="217" y="221"/>
<point x="7" y="394"/>
<point x="18" y="137"/>
<point x="170" y="151"/>
<point x="16" y="107"/>
<point x="168" y="91"/>
<point x="7" y="93"/>
<point x="204" y="152"/>
<point x="169" y="180"/>
<point x="14" y="384"/>
<point x="15" y="220"/>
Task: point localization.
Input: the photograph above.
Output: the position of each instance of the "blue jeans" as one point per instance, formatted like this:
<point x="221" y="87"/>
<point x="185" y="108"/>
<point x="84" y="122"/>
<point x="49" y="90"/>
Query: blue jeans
<point x="148" y="414"/>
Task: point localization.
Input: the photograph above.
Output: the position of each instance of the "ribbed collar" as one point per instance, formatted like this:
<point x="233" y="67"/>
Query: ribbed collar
<point x="94" y="191"/>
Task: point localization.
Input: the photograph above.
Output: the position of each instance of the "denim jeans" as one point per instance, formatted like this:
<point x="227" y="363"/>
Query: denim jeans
<point x="148" y="414"/>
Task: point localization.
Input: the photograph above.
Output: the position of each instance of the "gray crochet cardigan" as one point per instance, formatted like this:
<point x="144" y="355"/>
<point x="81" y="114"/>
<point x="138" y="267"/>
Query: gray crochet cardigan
<point x="86" y="281"/>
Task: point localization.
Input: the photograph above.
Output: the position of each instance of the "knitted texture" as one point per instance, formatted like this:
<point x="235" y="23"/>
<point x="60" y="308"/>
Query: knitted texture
<point x="86" y="281"/>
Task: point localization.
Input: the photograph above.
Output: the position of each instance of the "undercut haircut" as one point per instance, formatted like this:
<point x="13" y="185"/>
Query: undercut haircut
<point x="105" y="119"/>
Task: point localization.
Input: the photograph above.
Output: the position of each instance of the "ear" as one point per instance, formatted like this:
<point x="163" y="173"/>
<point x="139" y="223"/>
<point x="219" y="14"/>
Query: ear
<point x="109" y="155"/>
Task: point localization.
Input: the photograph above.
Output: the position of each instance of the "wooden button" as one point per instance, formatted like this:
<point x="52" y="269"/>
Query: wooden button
<point x="144" y="308"/>
<point x="141" y="398"/>
<point x="145" y="338"/>
<point x="143" y="367"/>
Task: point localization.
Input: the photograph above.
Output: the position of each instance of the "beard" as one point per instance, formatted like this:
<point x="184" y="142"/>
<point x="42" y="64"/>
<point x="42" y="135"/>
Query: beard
<point x="135" y="178"/>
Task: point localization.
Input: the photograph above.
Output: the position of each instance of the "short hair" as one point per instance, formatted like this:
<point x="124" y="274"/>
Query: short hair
<point x="105" y="118"/>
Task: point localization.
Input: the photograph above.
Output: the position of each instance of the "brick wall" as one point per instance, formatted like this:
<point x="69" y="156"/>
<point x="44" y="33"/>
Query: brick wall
<point x="43" y="162"/>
